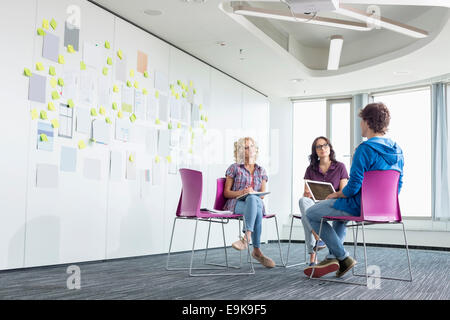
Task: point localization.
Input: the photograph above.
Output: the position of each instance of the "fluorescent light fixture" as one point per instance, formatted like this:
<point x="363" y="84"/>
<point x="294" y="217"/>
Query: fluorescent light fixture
<point x="335" y="52"/>
<point x="382" y="22"/>
<point x="279" y="15"/>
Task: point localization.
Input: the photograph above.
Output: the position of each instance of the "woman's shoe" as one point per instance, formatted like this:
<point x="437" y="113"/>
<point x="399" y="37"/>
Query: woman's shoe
<point x="320" y="245"/>
<point x="265" y="261"/>
<point x="240" y="245"/>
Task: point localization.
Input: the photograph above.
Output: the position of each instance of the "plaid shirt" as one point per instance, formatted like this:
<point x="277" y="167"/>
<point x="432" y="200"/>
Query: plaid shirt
<point x="242" y="179"/>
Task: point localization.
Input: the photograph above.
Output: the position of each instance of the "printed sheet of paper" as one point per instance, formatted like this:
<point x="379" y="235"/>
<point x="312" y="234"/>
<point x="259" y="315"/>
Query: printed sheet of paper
<point x="71" y="82"/>
<point x="83" y="120"/>
<point x="161" y="81"/>
<point x="163" y="108"/>
<point x="37" y="88"/>
<point x="50" y="47"/>
<point x="100" y="131"/>
<point x="116" y="166"/>
<point x="139" y="104"/>
<point x="104" y="92"/>
<point x="123" y="128"/>
<point x="47" y="175"/>
<point x="131" y="165"/>
<point x="68" y="162"/>
<point x="152" y="108"/>
<point x="87" y="88"/>
<point x="92" y="169"/>
<point x="151" y="141"/>
<point x="127" y="99"/>
<point x="121" y="69"/>
<point x="93" y="55"/>
<point x="164" y="143"/>
<point x="45" y="130"/>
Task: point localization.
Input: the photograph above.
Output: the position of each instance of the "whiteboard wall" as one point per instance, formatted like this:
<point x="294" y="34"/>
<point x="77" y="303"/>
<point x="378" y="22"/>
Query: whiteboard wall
<point x="86" y="218"/>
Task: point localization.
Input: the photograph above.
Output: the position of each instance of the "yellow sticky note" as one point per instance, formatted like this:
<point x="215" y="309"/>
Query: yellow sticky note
<point x="102" y="111"/>
<point x="60" y="82"/>
<point x="105" y="71"/>
<point x="34" y="114"/>
<point x="129" y="83"/>
<point x="120" y="54"/>
<point x="70" y="49"/>
<point x="169" y="159"/>
<point x="82" y="65"/>
<point x="144" y="91"/>
<point x="27" y="72"/>
<point x="206" y="119"/>
<point x="45" y="24"/>
<point x="191" y="84"/>
<point x="108" y="120"/>
<point x="200" y="107"/>
<point x="177" y="96"/>
<point x="55" y="123"/>
<point x="51" y="71"/>
<point x="114" y="105"/>
<point x="61" y="59"/>
<point x="70" y="103"/>
<point x="107" y="45"/>
<point x="120" y="114"/>
<point x="201" y="118"/>
<point x="53" y="23"/>
<point x="146" y="74"/>
<point x="51" y="106"/>
<point x="131" y="73"/>
<point x="109" y="61"/>
<point x="169" y="126"/>
<point x="179" y="82"/>
<point x="194" y="91"/>
<point x="55" y="95"/>
<point x="115" y="88"/>
<point x="136" y="85"/>
<point x="93" y="112"/>
<point x="43" y="115"/>
<point x="157" y="121"/>
<point x="131" y="158"/>
<point x="39" y="66"/>
<point x="184" y="95"/>
<point x="171" y="87"/>
<point x="81" y="144"/>
<point x="40" y="32"/>
<point x="133" y="118"/>
<point x="157" y="159"/>
<point x="156" y="94"/>
<point x="179" y="125"/>
<point x="43" y="137"/>
<point x="53" y="82"/>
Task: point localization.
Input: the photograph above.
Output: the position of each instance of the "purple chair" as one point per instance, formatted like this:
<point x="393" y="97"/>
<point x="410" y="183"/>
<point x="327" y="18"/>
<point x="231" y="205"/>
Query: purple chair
<point x="220" y="203"/>
<point x="379" y="205"/>
<point x="189" y="209"/>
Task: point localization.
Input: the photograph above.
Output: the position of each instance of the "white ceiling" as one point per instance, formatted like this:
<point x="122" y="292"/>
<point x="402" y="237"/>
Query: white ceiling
<point x="369" y="59"/>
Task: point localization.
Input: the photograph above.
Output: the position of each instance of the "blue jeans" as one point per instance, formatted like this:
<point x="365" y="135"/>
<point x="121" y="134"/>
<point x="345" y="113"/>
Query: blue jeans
<point x="304" y="204"/>
<point x="332" y="236"/>
<point x="251" y="208"/>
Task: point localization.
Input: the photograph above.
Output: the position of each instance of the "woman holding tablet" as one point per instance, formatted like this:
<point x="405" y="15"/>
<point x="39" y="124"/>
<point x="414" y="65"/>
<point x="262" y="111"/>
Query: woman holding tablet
<point x="324" y="168"/>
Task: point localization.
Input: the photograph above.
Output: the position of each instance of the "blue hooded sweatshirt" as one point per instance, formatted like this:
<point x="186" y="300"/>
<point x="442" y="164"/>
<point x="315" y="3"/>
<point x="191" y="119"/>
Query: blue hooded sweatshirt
<point x="377" y="153"/>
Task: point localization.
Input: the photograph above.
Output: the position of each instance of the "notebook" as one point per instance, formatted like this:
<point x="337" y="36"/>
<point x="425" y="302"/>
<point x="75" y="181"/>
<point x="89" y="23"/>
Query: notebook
<point x="319" y="190"/>
<point x="242" y="197"/>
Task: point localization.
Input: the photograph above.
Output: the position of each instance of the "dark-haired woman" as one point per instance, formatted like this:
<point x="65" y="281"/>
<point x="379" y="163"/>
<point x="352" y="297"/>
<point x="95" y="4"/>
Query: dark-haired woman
<point x="323" y="167"/>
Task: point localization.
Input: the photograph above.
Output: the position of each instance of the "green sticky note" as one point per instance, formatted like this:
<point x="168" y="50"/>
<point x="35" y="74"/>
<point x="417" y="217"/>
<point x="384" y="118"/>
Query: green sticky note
<point x="129" y="83"/>
<point x="156" y="94"/>
<point x="191" y="84"/>
<point x="70" y="49"/>
<point x="200" y="107"/>
<point x="114" y="106"/>
<point x="146" y="74"/>
<point x="169" y="126"/>
<point x="45" y="24"/>
<point x="108" y="120"/>
<point x="206" y="119"/>
<point x="51" y="106"/>
<point x="184" y="95"/>
<point x="171" y="87"/>
<point x="179" y="125"/>
<point x="133" y="118"/>
<point x="169" y="159"/>
<point x="60" y="82"/>
<point x="27" y="72"/>
<point x="177" y="96"/>
<point x="102" y="111"/>
<point x="201" y="117"/>
<point x="53" y="82"/>
<point x="40" y="32"/>
<point x="70" y="103"/>
<point x="115" y="88"/>
<point x="157" y="121"/>
<point x="39" y="66"/>
<point x="136" y="85"/>
<point x="144" y="91"/>
<point x="82" y="65"/>
<point x="179" y="82"/>
<point x="93" y="112"/>
<point x="51" y="71"/>
<point x="131" y="73"/>
<point x="43" y="137"/>
<point x="120" y="54"/>
<point x="55" y="95"/>
<point x="53" y="24"/>
<point x="109" y="61"/>
<point x="131" y="158"/>
<point x="34" y="114"/>
<point x="194" y="91"/>
<point x="43" y="114"/>
<point x="105" y="71"/>
<point x="120" y="114"/>
<point x="81" y="144"/>
<point x="157" y="159"/>
<point x="107" y="45"/>
<point x="55" y="123"/>
<point x="127" y="107"/>
<point x="61" y="59"/>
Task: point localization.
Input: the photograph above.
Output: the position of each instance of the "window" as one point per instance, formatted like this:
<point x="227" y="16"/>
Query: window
<point x="309" y="122"/>
<point x="410" y="127"/>
<point x="340" y="129"/>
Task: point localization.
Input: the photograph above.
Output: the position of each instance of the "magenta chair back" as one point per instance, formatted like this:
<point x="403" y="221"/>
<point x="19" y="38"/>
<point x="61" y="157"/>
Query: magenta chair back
<point x="379" y="196"/>
<point x="219" y="203"/>
<point x="191" y="193"/>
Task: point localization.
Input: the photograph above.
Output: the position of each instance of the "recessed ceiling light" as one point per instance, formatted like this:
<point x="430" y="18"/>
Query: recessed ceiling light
<point x="151" y="12"/>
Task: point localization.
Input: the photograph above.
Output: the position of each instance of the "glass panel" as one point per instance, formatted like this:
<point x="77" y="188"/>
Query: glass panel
<point x="340" y="131"/>
<point x="410" y="127"/>
<point x="309" y="123"/>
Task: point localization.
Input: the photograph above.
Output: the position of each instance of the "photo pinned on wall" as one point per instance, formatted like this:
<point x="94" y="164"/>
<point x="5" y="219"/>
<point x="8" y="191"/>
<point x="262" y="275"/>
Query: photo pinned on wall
<point x="65" y="121"/>
<point x="47" y="175"/>
<point x="50" y="47"/>
<point x="45" y="136"/>
<point x="139" y="104"/>
<point x="71" y="36"/>
<point x="37" y="88"/>
<point x="83" y="120"/>
<point x="152" y="108"/>
<point x="68" y="159"/>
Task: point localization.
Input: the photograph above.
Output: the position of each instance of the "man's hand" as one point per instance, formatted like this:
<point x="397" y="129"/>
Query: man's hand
<point x="334" y="195"/>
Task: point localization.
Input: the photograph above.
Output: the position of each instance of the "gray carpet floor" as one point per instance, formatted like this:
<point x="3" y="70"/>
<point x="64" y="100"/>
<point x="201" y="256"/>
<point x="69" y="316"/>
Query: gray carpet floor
<point x="146" y="278"/>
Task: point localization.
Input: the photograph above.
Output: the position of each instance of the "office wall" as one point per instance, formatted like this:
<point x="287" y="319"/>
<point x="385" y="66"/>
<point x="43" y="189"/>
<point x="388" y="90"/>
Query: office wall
<point x="83" y="219"/>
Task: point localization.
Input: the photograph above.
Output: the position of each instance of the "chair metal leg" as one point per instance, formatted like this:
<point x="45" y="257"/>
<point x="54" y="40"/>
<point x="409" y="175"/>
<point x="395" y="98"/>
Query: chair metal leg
<point x="279" y="245"/>
<point x="289" y="245"/>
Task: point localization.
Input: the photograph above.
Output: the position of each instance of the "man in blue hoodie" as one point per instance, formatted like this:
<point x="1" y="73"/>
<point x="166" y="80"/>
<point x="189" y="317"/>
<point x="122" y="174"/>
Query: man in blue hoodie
<point x="377" y="153"/>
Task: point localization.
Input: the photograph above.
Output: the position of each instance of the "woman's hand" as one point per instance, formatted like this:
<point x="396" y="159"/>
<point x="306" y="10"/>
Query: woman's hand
<point x="334" y="195"/>
<point x="307" y="194"/>
<point x="247" y="190"/>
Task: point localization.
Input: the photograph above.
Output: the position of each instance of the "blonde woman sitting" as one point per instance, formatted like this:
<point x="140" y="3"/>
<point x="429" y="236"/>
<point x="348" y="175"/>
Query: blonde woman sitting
<point x="243" y="177"/>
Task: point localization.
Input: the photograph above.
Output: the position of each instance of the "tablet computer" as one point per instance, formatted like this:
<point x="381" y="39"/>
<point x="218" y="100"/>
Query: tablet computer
<point x="319" y="190"/>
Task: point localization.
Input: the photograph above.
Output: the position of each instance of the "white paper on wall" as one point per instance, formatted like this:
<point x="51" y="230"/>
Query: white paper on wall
<point x="151" y="141"/>
<point x="123" y="128"/>
<point x="104" y="92"/>
<point x="163" y="108"/>
<point x="161" y="81"/>
<point x="100" y="131"/>
<point x="139" y="105"/>
<point x="121" y="69"/>
<point x="127" y="98"/>
<point x="87" y="88"/>
<point x="37" y="88"/>
<point x="47" y="175"/>
<point x="68" y="161"/>
<point x="50" y="47"/>
<point x="164" y="143"/>
<point x="152" y="108"/>
<point x="116" y="166"/>
<point x="71" y="82"/>
<point x="92" y="169"/>
<point x="93" y="55"/>
<point x="131" y="165"/>
<point x="83" y="120"/>
<point x="157" y="173"/>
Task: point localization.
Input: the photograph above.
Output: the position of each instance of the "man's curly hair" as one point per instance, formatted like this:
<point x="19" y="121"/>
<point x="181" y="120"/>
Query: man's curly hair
<point x="377" y="117"/>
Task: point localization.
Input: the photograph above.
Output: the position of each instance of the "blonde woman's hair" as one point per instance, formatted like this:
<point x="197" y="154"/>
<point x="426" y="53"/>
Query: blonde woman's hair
<point x="239" y="156"/>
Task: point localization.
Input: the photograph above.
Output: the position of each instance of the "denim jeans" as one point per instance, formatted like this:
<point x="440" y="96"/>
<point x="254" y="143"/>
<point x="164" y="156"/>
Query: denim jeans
<point x="251" y="208"/>
<point x="332" y="236"/>
<point x="304" y="204"/>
